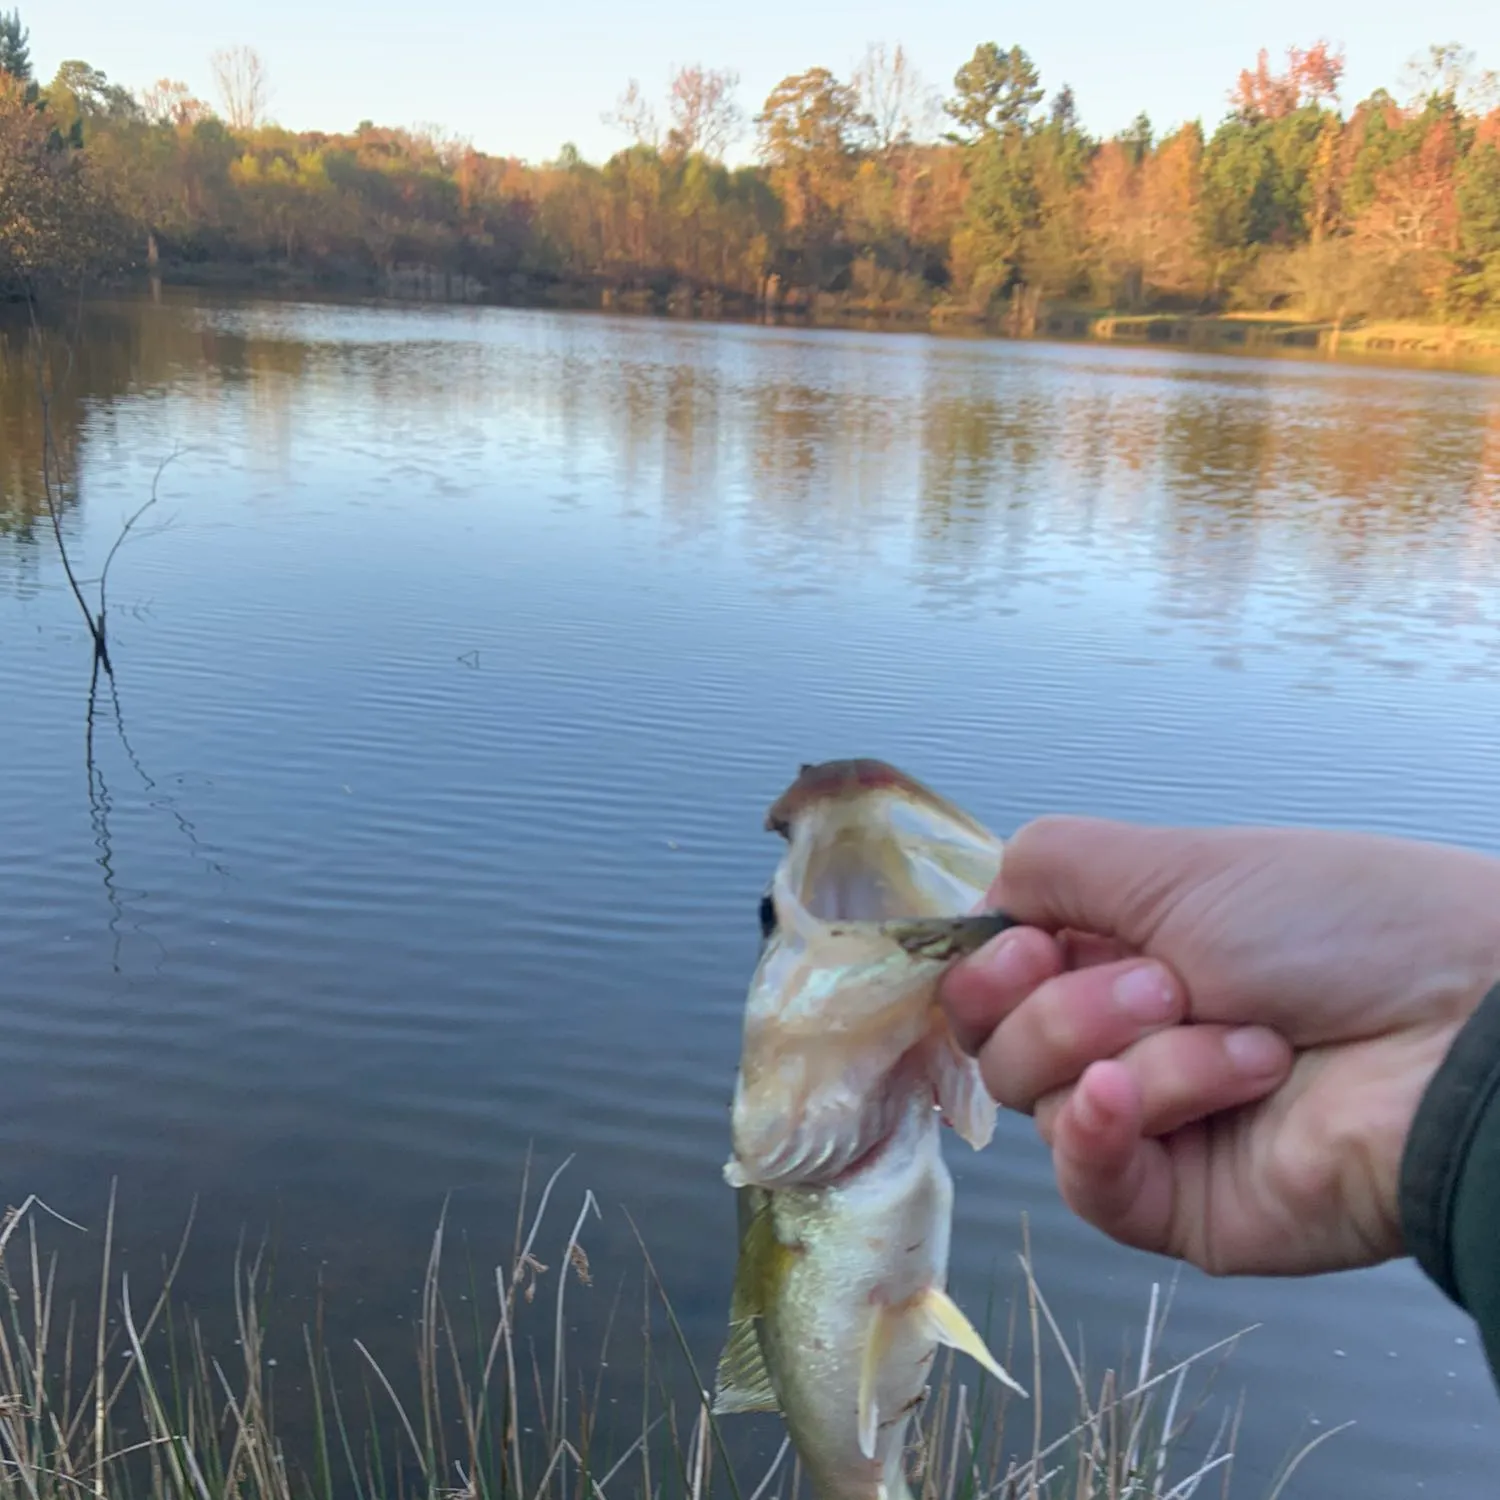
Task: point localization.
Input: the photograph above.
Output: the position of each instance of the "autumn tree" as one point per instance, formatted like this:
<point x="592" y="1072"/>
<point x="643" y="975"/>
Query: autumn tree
<point x="1475" y="287"/>
<point x="1409" y="229"/>
<point x="244" y="85"/>
<point x="810" y="117"/>
<point x="1291" y="201"/>
<point x="810" y="132"/>
<point x="1141" y="213"/>
<point x="1172" y="177"/>
<point x="57" y="225"/>
<point x="1311" y="78"/>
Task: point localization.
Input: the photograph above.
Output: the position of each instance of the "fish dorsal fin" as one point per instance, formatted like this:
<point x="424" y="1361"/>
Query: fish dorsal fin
<point x="742" y="1382"/>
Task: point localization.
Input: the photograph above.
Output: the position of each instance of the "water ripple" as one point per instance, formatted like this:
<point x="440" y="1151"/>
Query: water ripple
<point x="456" y="691"/>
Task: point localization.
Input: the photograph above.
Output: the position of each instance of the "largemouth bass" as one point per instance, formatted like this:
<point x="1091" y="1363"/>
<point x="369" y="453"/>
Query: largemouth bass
<point x="847" y="1068"/>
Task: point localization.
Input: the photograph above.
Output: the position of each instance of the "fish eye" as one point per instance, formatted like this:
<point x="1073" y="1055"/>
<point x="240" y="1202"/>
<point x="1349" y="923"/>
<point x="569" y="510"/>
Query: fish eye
<point x="767" y="917"/>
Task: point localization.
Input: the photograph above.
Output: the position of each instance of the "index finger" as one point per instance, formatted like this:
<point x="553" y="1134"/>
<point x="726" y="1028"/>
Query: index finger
<point x="985" y="988"/>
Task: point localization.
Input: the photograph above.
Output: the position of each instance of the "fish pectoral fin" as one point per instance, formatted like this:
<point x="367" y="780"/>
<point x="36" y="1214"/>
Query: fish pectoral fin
<point x="961" y="1093"/>
<point x="743" y="1383"/>
<point x="877" y="1345"/>
<point x="947" y="1324"/>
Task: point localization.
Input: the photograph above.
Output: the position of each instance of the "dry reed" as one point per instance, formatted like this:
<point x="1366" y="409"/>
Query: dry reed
<point x="494" y="1413"/>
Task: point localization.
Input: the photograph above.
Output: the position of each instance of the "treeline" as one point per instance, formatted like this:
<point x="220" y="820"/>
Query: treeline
<point x="870" y="193"/>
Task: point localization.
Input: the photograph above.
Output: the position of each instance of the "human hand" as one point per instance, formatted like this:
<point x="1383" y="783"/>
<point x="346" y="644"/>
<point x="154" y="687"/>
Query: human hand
<point x="1223" y="1034"/>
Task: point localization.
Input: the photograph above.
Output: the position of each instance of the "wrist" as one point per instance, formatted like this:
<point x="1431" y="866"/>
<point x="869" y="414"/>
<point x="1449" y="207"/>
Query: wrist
<point x="1458" y="1106"/>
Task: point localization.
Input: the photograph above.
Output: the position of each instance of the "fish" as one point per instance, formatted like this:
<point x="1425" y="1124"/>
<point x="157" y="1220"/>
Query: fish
<point x="848" y="1071"/>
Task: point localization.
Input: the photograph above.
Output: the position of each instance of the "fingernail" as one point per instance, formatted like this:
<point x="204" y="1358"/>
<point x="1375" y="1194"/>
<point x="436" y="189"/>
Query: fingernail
<point x="1004" y="961"/>
<point x="1254" y="1051"/>
<point x="1145" y="993"/>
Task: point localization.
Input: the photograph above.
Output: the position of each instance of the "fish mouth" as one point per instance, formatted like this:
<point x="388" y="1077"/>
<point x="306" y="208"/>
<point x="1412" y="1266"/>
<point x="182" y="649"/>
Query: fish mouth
<point x="870" y="843"/>
<point x="882" y="884"/>
<point x="836" y="780"/>
<point x="853" y="780"/>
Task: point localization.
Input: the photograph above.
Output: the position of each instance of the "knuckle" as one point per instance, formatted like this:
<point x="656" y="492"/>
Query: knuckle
<point x="1008" y="1085"/>
<point x="1044" y="1116"/>
<point x="1058" y="1025"/>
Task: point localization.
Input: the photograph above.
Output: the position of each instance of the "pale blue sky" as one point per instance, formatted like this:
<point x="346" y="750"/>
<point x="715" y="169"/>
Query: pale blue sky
<point x="525" y="78"/>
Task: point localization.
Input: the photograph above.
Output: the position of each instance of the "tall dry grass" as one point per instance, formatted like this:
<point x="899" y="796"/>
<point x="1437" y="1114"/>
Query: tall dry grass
<point x="501" y="1406"/>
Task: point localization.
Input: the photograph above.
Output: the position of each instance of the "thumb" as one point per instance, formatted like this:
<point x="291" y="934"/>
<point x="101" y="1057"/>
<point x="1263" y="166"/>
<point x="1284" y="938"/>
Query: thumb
<point x="1093" y="875"/>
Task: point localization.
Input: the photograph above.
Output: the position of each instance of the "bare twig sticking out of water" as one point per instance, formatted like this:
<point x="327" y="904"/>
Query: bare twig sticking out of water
<point x="96" y="617"/>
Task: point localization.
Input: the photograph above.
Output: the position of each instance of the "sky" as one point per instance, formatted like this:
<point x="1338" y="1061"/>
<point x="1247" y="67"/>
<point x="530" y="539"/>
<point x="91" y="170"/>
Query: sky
<point x="521" y="79"/>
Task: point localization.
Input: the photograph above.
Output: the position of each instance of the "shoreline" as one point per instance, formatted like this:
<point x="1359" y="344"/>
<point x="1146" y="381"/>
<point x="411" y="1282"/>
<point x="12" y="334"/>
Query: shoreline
<point x="1379" y="343"/>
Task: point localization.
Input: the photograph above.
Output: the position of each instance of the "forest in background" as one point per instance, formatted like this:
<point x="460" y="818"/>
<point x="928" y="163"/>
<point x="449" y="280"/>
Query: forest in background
<point x="873" y="193"/>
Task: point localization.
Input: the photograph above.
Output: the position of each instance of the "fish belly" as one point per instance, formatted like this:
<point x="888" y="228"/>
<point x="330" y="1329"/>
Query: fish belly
<point x="866" y="1249"/>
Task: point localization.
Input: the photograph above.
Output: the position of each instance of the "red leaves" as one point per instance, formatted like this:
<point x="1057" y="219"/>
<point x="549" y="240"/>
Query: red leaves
<point x="1311" y="77"/>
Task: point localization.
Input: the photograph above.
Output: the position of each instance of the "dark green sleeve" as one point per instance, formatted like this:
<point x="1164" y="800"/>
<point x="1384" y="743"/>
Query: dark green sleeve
<point x="1450" y="1175"/>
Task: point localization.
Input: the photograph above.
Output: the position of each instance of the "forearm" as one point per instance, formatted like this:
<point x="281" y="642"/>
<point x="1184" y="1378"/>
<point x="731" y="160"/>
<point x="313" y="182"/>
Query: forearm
<point x="1450" y="1175"/>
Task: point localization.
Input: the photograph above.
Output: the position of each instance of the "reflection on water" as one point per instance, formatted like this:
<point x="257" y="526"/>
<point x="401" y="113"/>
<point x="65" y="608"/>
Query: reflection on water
<point x="1225" y="478"/>
<point x="423" y="821"/>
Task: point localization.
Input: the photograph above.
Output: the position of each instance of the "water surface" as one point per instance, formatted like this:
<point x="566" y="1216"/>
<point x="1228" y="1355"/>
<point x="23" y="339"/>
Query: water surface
<point x="470" y="653"/>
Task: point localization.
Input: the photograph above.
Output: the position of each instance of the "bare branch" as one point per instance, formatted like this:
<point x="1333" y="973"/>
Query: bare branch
<point x="633" y="115"/>
<point x="706" y="118"/>
<point x="892" y="94"/>
<point x="169" y="102"/>
<point x="51" y="496"/>
<point x="94" y="617"/>
<point x="244" y="85"/>
<point x="126" y="530"/>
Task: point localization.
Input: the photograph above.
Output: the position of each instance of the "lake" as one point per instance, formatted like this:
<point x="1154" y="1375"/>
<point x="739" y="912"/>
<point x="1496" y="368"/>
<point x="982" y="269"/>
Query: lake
<point x="458" y="664"/>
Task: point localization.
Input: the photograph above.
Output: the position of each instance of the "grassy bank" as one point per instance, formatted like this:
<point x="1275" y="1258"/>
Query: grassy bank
<point x="1270" y="333"/>
<point x="129" y="1396"/>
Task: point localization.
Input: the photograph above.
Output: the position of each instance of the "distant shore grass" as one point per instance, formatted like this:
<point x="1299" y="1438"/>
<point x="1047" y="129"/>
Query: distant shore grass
<point x="1272" y="333"/>
<point x="499" y="1404"/>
